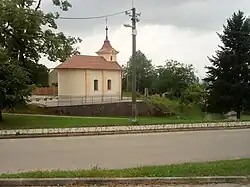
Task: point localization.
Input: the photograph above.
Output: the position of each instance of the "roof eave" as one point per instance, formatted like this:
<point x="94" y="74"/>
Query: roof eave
<point x="90" y="69"/>
<point x="107" y="52"/>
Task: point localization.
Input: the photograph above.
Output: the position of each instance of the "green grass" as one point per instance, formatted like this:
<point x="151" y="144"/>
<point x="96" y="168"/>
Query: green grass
<point x="185" y="111"/>
<point x="31" y="122"/>
<point x="220" y="168"/>
<point x="129" y="94"/>
<point x="15" y="121"/>
<point x="187" y="114"/>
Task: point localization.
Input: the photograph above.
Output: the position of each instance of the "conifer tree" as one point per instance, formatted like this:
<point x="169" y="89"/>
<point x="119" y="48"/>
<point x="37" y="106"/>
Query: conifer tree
<point x="229" y="75"/>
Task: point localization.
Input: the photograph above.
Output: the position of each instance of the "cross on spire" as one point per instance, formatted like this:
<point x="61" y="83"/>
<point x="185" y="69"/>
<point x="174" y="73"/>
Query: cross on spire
<point x="106" y="29"/>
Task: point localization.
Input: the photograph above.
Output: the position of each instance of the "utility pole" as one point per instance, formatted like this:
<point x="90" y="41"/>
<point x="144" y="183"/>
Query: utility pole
<point x="134" y="17"/>
<point x="127" y="78"/>
<point x="134" y="32"/>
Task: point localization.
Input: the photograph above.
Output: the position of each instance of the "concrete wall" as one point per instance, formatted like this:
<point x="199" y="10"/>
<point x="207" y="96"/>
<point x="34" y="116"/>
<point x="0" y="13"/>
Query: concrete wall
<point x="109" y="109"/>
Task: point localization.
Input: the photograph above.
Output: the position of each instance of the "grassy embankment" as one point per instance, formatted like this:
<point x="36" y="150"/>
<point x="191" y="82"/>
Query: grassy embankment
<point x="220" y="168"/>
<point x="183" y="114"/>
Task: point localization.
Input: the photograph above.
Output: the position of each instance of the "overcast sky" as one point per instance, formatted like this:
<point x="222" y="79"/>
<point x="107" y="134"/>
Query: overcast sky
<point x="183" y="30"/>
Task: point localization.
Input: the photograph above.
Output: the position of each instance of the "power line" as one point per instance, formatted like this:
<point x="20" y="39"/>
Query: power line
<point x="94" y="17"/>
<point x="80" y="18"/>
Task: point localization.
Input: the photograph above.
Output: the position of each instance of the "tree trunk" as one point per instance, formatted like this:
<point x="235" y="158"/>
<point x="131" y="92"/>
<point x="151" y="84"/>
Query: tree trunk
<point x="238" y="114"/>
<point x="1" y="116"/>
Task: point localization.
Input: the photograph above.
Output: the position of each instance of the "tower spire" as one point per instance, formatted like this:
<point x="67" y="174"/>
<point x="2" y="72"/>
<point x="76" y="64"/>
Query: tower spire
<point x="106" y="29"/>
<point x="107" y="51"/>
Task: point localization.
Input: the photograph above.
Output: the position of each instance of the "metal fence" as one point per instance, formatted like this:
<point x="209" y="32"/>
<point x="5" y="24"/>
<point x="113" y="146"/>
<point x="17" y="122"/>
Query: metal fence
<point x="52" y="101"/>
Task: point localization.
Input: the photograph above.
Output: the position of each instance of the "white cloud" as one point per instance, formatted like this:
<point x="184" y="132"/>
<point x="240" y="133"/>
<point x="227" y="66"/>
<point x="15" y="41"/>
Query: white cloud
<point x="169" y="29"/>
<point x="158" y="42"/>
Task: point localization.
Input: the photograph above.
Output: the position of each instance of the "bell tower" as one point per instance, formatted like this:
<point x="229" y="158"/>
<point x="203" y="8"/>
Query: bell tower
<point x="107" y="51"/>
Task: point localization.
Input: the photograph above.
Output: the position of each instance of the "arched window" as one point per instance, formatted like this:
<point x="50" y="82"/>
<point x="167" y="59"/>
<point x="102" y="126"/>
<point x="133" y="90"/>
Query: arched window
<point x="111" y="58"/>
<point x="95" y="85"/>
<point x="109" y="84"/>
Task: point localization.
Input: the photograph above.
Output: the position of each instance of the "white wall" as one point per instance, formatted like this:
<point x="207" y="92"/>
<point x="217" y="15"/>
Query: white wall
<point x="107" y="57"/>
<point x="91" y="76"/>
<point x="71" y="82"/>
<point x="115" y="77"/>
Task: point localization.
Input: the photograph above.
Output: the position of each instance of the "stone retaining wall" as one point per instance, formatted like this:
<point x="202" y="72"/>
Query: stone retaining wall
<point x="124" y="129"/>
<point x="106" y="109"/>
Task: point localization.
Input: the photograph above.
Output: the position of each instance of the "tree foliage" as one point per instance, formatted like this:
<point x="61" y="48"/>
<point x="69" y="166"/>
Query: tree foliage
<point x="39" y="74"/>
<point x="144" y="72"/>
<point x="176" y="79"/>
<point x="26" y="34"/>
<point x="228" y="77"/>
<point x="14" y="87"/>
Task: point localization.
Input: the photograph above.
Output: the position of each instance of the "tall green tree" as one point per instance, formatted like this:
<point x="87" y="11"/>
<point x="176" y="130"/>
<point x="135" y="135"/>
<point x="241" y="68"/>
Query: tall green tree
<point x="27" y="33"/>
<point x="174" y="78"/>
<point x="195" y="93"/>
<point x="228" y="77"/>
<point x="14" y="87"/>
<point x="144" y="73"/>
<point x="39" y="74"/>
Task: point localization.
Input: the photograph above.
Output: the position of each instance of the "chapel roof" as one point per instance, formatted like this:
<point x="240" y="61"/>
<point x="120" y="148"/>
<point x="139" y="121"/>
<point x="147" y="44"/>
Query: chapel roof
<point x="107" y="47"/>
<point x="89" y="62"/>
<point x="93" y="62"/>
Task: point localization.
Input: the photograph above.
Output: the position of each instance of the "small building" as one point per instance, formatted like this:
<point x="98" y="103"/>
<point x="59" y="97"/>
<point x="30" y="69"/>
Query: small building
<point x="96" y="78"/>
<point x="53" y="79"/>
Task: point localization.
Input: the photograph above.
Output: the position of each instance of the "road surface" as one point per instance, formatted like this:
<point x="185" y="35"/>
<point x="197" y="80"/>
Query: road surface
<point x="122" y="151"/>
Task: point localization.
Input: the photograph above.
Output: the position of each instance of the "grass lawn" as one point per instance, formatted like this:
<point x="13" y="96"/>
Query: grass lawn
<point x="31" y="122"/>
<point x="220" y="168"/>
<point x="28" y="121"/>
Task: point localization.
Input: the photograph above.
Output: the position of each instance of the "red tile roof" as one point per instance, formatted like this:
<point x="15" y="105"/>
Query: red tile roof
<point x="107" y="48"/>
<point x="89" y="62"/>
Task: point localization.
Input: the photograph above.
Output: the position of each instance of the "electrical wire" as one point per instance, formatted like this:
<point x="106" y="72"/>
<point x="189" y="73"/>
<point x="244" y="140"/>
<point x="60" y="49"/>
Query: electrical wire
<point x="84" y="18"/>
<point x="93" y="17"/>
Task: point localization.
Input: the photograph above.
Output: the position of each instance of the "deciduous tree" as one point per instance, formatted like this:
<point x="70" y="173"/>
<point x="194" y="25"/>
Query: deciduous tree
<point x="27" y="33"/>
<point x="14" y="87"/>
<point x="144" y="72"/>
<point x="174" y="78"/>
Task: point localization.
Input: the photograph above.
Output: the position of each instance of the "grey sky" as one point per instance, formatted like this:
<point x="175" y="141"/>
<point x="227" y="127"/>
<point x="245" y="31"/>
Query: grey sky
<point x="183" y="30"/>
<point x="195" y="14"/>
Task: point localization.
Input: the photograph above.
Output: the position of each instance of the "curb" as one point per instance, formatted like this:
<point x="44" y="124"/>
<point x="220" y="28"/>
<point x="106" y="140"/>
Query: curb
<point x="119" y="132"/>
<point x="128" y="181"/>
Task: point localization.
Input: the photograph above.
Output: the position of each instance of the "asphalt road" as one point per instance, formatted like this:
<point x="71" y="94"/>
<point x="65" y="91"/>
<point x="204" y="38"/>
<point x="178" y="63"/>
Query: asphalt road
<point x="122" y="151"/>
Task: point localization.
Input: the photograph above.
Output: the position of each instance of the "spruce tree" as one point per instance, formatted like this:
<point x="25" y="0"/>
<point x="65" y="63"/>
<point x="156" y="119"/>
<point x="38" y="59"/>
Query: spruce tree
<point x="229" y="75"/>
